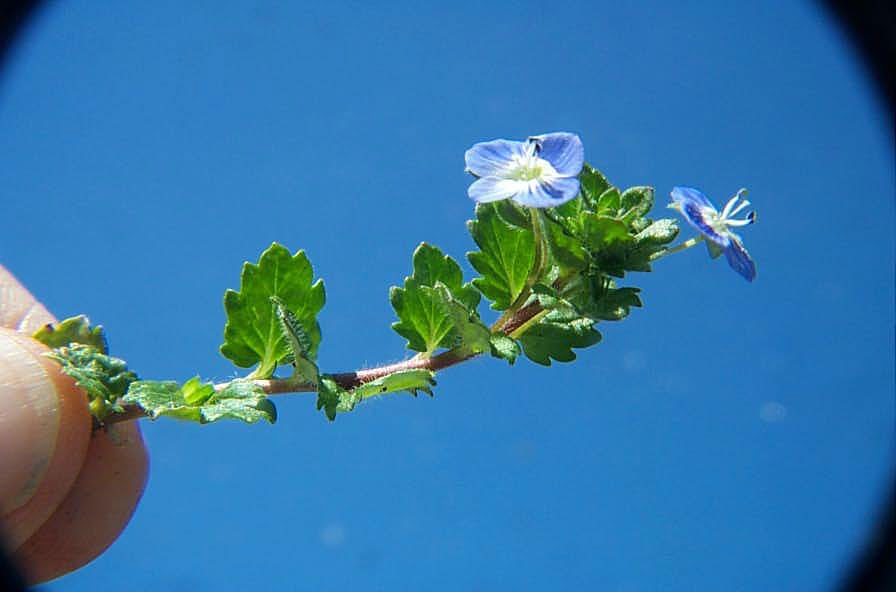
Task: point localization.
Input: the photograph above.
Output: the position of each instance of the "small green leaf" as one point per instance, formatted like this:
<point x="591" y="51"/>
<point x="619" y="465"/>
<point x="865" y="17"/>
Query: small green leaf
<point x="599" y="299"/>
<point x="253" y="333"/>
<point x="105" y="379"/>
<point x="615" y="303"/>
<point x="603" y="231"/>
<point x="196" y="392"/>
<point x="504" y="347"/>
<point x="635" y="202"/>
<point x="506" y="257"/>
<point x="424" y="320"/>
<point x="659" y="233"/>
<point x="240" y="400"/>
<point x="403" y="380"/>
<point x="469" y="332"/>
<point x="594" y="184"/>
<point x="565" y="250"/>
<point x="72" y="330"/>
<point x="299" y="342"/>
<point x="714" y="249"/>
<point x="549" y="339"/>
<point x="608" y="203"/>
<point x="513" y="214"/>
<point x="157" y="398"/>
<point x="334" y="399"/>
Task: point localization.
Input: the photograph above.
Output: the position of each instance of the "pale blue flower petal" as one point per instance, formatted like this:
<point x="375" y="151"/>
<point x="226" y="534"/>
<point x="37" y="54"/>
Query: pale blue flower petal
<point x="490" y="159"/>
<point x="564" y="151"/>
<point x="694" y="215"/>
<point x="544" y="194"/>
<point x="692" y="204"/>
<point x="489" y="189"/>
<point x="682" y="195"/>
<point x="740" y="261"/>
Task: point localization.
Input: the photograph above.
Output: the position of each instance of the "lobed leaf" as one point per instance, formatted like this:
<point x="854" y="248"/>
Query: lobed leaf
<point x="241" y="399"/>
<point x="104" y="378"/>
<point x="253" y="333"/>
<point x="300" y="344"/>
<point x="334" y="399"/>
<point x="503" y="347"/>
<point x="506" y="256"/>
<point x="555" y="339"/>
<point x="469" y="332"/>
<point x="72" y="330"/>
<point x="424" y="319"/>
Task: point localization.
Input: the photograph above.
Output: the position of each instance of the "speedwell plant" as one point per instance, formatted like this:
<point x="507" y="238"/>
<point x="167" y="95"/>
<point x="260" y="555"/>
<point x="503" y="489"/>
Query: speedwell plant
<point x="554" y="240"/>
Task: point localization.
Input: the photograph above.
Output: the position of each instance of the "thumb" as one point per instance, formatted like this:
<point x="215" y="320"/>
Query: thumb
<point x="44" y="433"/>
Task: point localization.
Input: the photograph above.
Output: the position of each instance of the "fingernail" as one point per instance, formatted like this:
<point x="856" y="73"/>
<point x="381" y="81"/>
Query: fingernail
<point x="29" y="421"/>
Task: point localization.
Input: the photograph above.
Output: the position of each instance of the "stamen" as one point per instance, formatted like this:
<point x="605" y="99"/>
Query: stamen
<point x="742" y="205"/>
<point x="736" y="223"/>
<point x="726" y="211"/>
<point x="751" y="217"/>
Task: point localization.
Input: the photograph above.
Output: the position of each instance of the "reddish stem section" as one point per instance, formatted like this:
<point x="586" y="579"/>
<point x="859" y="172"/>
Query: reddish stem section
<point x="348" y="380"/>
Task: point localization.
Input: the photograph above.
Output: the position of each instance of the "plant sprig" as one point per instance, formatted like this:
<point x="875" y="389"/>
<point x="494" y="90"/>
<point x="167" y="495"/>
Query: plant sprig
<point x="550" y="273"/>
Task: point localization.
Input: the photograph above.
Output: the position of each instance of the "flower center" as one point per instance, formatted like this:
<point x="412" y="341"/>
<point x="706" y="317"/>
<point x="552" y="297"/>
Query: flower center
<point x="714" y="220"/>
<point x="529" y="168"/>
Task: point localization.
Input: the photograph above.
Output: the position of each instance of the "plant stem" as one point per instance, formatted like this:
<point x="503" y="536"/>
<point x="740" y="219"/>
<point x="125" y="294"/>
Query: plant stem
<point x="515" y="326"/>
<point x="541" y="256"/>
<point x="680" y="247"/>
<point x="517" y="333"/>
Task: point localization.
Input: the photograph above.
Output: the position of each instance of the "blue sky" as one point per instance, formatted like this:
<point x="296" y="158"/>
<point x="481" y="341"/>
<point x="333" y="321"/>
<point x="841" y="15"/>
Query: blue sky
<point x="726" y="436"/>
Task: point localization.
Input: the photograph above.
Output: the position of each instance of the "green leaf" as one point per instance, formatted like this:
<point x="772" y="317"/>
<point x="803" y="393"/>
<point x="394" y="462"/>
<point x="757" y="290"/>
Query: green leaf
<point x="555" y="339"/>
<point x="196" y="392"/>
<point x="253" y="333"/>
<point x="714" y="249"/>
<point x="105" y="379"/>
<point x="594" y="184"/>
<point x="568" y="215"/>
<point x="240" y="400"/>
<point x="334" y="399"/>
<point x="635" y="202"/>
<point x="403" y="380"/>
<point x="565" y="327"/>
<point x="504" y="347"/>
<point x="615" y="249"/>
<point x="615" y="303"/>
<point x="603" y="231"/>
<point x="72" y="330"/>
<point x="608" y="203"/>
<point x="299" y="342"/>
<point x="468" y="330"/>
<point x="609" y="242"/>
<point x="424" y="320"/>
<point x="659" y="233"/>
<point x="598" y="298"/>
<point x="506" y="257"/>
<point x="513" y="214"/>
<point x="565" y="250"/>
<point x="157" y="398"/>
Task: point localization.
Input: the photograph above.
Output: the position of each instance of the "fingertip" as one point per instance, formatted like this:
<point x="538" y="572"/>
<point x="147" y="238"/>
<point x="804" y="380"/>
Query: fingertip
<point x="96" y="510"/>
<point x="45" y="430"/>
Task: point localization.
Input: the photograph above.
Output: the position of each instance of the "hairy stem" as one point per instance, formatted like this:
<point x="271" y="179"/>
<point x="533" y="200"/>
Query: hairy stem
<point x="515" y="326"/>
<point x="679" y="247"/>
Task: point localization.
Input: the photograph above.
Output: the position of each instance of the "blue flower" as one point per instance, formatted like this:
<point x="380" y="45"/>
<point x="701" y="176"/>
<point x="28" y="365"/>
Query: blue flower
<point x="541" y="172"/>
<point x="716" y="227"/>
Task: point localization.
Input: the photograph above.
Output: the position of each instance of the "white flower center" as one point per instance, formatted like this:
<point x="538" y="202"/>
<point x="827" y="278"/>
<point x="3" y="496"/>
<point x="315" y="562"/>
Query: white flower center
<point x="529" y="167"/>
<point x="721" y="221"/>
